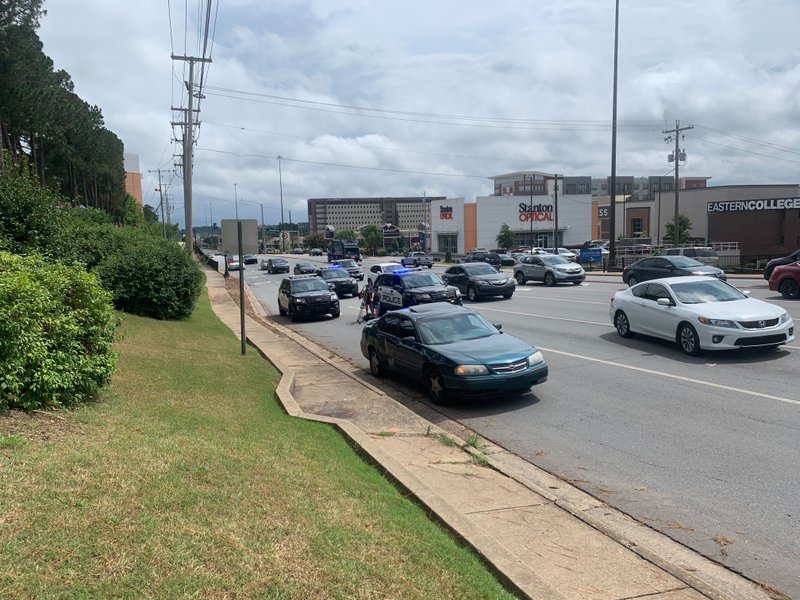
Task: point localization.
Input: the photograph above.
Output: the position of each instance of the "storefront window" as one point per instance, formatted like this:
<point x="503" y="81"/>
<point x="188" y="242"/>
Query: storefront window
<point x="447" y="243"/>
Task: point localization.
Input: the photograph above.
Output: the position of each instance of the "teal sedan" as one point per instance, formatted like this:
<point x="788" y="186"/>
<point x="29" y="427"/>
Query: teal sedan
<point x="453" y="351"/>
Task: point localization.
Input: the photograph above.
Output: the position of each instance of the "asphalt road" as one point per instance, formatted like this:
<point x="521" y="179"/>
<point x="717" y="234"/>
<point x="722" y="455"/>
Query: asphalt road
<point x="704" y="449"/>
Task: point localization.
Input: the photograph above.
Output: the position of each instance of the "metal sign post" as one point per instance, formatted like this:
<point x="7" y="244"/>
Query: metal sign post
<point x="245" y="235"/>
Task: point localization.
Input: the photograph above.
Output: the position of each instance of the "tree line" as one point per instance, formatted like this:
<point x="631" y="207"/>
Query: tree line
<point x="44" y="125"/>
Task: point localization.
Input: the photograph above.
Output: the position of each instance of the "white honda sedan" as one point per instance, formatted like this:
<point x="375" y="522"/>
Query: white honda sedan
<point x="699" y="313"/>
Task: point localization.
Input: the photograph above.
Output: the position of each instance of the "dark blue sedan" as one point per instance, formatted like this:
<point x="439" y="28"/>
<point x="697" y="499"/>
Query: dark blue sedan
<point x="453" y="351"/>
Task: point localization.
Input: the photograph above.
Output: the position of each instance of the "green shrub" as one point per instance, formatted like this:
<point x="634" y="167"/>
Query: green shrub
<point x="380" y="251"/>
<point x="56" y="330"/>
<point x="151" y="277"/>
<point x="30" y="218"/>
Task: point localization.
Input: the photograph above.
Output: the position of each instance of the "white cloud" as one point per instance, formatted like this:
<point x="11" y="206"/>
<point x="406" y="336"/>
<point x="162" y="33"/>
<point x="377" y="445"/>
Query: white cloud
<point x="723" y="65"/>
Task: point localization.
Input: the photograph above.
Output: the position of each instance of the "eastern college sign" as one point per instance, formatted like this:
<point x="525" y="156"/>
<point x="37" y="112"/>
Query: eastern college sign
<point x="446" y="212"/>
<point x="535" y="212"/>
<point x="766" y="204"/>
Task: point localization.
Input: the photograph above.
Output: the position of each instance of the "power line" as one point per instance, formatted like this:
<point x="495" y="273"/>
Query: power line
<point x="330" y="164"/>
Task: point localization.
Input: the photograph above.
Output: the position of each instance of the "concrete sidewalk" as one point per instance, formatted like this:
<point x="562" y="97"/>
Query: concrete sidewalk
<point x="544" y="538"/>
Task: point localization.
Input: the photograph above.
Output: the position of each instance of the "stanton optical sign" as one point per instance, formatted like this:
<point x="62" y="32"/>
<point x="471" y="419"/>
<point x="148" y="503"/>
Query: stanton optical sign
<point x="446" y="213"/>
<point x="766" y="204"/>
<point x="535" y="212"/>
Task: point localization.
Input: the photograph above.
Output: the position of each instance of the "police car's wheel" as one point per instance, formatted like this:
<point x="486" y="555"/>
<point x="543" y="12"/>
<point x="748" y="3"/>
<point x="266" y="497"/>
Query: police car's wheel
<point x="281" y="311"/>
<point x="435" y="385"/>
<point x="336" y="314"/>
<point x="292" y="314"/>
<point x="375" y="366"/>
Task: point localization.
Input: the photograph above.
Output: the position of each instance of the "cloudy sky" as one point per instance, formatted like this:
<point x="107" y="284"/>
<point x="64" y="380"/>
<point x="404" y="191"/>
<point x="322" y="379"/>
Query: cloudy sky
<point x="368" y="98"/>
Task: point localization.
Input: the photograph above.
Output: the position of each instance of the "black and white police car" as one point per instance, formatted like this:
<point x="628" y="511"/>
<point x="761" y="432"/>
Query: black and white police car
<point x="407" y="287"/>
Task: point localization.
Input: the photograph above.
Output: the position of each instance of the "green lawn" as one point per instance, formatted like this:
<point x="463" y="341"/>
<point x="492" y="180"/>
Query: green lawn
<point x="188" y="479"/>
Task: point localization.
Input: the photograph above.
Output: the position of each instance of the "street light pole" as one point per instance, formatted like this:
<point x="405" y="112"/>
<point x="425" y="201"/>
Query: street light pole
<point x="530" y="213"/>
<point x="236" y="202"/>
<point x="280" y="183"/>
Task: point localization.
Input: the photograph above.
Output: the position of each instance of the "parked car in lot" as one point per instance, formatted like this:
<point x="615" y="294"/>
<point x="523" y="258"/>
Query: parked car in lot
<point x="250" y="259"/>
<point x="786" y="280"/>
<point x="488" y="257"/>
<point x="783" y="260"/>
<point x="549" y="269"/>
<point x="297" y="250"/>
<point x="305" y="268"/>
<point x="453" y="351"/>
<point x="387" y="267"/>
<point x="563" y="253"/>
<point x="506" y="260"/>
<point x="351" y="266"/>
<point x="417" y="259"/>
<point x="655" y="267"/>
<point x="315" y="252"/>
<point x="699" y="313"/>
<point x="405" y="288"/>
<point x="479" y="280"/>
<point x="705" y="255"/>
<point x="343" y="284"/>
<point x="302" y="296"/>
<point x="275" y="265"/>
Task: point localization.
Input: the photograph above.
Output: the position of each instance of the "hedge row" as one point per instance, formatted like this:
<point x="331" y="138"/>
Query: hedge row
<point x="56" y="331"/>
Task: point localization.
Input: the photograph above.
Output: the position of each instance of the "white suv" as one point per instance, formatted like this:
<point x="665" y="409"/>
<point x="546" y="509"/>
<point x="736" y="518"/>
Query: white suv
<point x="387" y="267"/>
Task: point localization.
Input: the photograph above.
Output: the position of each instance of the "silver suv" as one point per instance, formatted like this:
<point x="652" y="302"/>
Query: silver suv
<point x="548" y="268"/>
<point x="702" y="254"/>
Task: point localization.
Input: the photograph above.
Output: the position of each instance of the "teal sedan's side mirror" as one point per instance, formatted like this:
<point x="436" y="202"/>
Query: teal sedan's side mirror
<point x="498" y="326"/>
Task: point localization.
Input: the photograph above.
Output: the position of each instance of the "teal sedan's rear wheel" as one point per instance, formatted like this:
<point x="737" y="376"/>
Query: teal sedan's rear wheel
<point x="434" y="383"/>
<point x="375" y="366"/>
<point x="789" y="289"/>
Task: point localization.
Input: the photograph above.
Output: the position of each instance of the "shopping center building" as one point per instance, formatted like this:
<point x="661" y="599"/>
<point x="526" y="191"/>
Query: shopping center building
<point x="544" y="209"/>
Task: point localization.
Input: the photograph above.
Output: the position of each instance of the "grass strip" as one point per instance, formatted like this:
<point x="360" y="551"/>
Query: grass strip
<point x="187" y="479"/>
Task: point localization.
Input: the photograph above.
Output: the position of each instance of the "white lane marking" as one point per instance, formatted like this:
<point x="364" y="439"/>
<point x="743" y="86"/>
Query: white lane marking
<point x="522" y="314"/>
<point x="671" y="376"/>
<point x="567" y="300"/>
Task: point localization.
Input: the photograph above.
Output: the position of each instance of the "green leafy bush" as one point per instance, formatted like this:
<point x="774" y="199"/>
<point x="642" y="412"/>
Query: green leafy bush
<point x="30" y="218"/>
<point x="151" y="277"/>
<point x="56" y="330"/>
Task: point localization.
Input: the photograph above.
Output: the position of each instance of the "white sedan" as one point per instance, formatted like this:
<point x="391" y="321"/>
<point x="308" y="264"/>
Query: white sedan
<point x="699" y="313"/>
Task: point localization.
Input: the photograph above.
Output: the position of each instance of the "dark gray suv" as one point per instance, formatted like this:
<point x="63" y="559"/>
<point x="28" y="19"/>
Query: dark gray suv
<point x="488" y="257"/>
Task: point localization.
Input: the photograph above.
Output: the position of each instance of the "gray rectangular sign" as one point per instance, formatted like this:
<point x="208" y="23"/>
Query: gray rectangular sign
<point x="230" y="241"/>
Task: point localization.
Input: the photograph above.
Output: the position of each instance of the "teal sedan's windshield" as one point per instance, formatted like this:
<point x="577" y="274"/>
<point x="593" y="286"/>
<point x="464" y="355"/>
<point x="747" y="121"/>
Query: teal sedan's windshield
<point x="713" y="290"/>
<point x="445" y="330"/>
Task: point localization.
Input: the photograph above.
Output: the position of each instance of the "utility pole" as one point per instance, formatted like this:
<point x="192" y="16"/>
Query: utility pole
<point x="280" y="182"/>
<point x="188" y="145"/>
<point x="263" y="238"/>
<point x="161" y="194"/>
<point x="555" y="217"/>
<point x="612" y="247"/>
<point x="235" y="202"/>
<point x="677" y="156"/>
